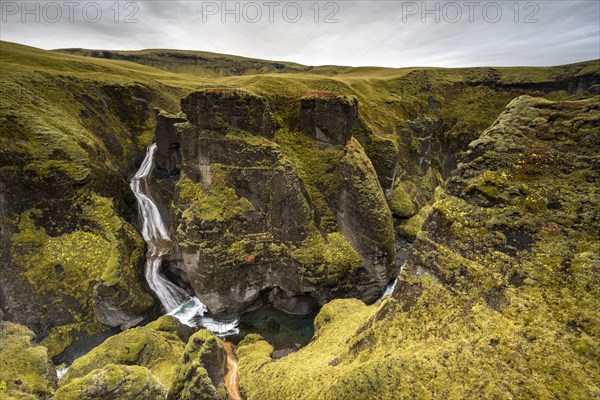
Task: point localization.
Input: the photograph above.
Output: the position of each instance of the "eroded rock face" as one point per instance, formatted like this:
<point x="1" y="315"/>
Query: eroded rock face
<point x="168" y="157"/>
<point x="248" y="231"/>
<point x="503" y="278"/>
<point x="329" y="119"/>
<point x="220" y="109"/>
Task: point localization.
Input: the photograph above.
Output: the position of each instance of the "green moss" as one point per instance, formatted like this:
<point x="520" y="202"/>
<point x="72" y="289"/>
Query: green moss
<point x="25" y="368"/>
<point x="117" y="382"/>
<point x="159" y="351"/>
<point x="308" y="372"/>
<point x="201" y="372"/>
<point x="315" y="165"/>
<point x="401" y="203"/>
<point x="410" y="227"/>
<point x="82" y="256"/>
<point x="102" y="250"/>
<point x="217" y="203"/>
<point x="331" y="258"/>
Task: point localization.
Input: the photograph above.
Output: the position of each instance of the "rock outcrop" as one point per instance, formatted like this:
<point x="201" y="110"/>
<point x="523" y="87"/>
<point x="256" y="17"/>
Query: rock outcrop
<point x="115" y="382"/>
<point x="26" y="371"/>
<point x="499" y="295"/>
<point x="250" y="231"/>
<point x="220" y="110"/>
<point x="157" y="346"/>
<point x="329" y="119"/>
<point x="201" y="374"/>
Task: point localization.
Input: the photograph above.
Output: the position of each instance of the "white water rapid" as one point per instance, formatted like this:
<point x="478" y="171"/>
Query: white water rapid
<point x="175" y="300"/>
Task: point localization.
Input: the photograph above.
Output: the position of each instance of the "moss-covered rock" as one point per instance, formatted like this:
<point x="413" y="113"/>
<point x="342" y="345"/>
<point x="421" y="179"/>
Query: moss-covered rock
<point x="155" y="346"/>
<point x="118" y="382"/>
<point x="409" y="228"/>
<point x="71" y="132"/>
<point x="498" y="297"/>
<point x="201" y="373"/>
<point x="26" y="371"/>
<point x="92" y="272"/>
<point x="365" y="219"/>
<point x="280" y="216"/>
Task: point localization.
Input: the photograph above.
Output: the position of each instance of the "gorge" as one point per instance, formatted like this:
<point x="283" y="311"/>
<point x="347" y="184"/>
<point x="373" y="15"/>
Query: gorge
<point x="154" y="205"/>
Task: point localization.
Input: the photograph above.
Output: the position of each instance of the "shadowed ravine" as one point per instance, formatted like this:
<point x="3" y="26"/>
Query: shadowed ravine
<point x="173" y="298"/>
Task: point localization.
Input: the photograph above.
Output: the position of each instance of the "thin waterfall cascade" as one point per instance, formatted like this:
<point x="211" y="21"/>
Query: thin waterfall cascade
<point x="176" y="302"/>
<point x="156" y="236"/>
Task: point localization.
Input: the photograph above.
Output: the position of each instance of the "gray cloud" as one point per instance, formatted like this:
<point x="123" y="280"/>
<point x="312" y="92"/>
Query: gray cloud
<point x="385" y="33"/>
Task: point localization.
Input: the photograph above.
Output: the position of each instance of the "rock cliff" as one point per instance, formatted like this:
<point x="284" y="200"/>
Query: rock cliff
<point x="499" y="295"/>
<point x="241" y="209"/>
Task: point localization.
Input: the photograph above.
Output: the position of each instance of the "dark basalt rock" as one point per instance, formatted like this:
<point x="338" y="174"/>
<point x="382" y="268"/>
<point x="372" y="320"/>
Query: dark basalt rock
<point x="246" y="228"/>
<point x="220" y="110"/>
<point x="329" y="119"/>
<point x="168" y="158"/>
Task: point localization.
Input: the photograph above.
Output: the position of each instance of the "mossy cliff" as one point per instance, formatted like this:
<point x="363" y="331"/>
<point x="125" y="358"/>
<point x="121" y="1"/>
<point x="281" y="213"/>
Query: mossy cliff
<point x="499" y="296"/>
<point x="71" y="135"/>
<point x="243" y="208"/>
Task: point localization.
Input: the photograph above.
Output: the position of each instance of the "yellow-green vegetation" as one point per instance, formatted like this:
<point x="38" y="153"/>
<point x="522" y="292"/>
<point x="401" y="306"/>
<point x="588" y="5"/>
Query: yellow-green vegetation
<point x="401" y="203"/>
<point x="217" y="203"/>
<point x="315" y="165"/>
<point x="26" y="371"/>
<point x="410" y="227"/>
<point x="499" y="296"/>
<point x="118" y="382"/>
<point x="72" y="129"/>
<point x="362" y="201"/>
<point x="201" y="372"/>
<point x="104" y="251"/>
<point x="309" y="372"/>
<point x="331" y="259"/>
<point x="157" y="350"/>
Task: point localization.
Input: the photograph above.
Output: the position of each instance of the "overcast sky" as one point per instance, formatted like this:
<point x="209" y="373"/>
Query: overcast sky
<point x="384" y="33"/>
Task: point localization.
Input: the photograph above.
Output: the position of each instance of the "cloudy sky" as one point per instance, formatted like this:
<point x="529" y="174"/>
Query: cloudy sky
<point x="384" y="33"/>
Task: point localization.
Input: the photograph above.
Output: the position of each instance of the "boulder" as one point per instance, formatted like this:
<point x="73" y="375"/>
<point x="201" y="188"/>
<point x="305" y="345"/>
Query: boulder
<point x="115" y="382"/>
<point x="26" y="371"/>
<point x="156" y="346"/>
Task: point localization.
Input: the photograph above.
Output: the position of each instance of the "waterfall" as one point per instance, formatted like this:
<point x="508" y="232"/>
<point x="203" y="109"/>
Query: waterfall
<point x="175" y="300"/>
<point x="156" y="236"/>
